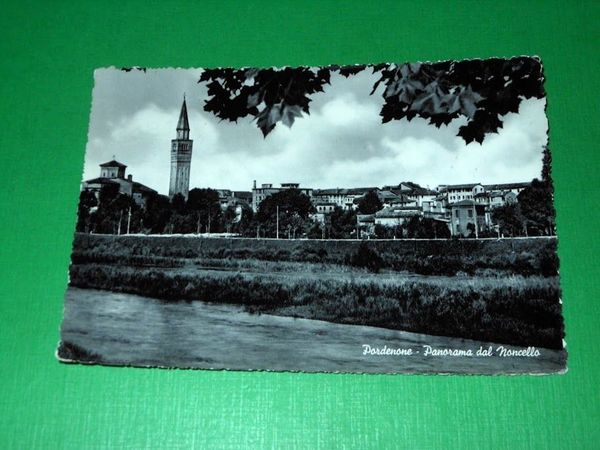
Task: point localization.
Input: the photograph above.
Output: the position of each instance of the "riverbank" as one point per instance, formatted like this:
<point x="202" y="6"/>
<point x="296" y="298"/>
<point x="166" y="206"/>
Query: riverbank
<point x="505" y="291"/>
<point x="124" y="329"/>
<point x="516" y="310"/>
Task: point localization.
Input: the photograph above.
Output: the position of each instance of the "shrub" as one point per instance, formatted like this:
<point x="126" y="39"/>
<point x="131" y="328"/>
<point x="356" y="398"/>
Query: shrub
<point x="367" y="258"/>
<point x="428" y="257"/>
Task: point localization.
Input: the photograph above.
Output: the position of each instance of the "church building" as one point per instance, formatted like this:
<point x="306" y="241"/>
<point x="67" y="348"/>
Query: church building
<point x="181" y="156"/>
<point x="112" y="173"/>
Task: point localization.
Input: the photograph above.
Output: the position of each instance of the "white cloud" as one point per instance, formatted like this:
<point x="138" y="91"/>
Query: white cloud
<point x="341" y="143"/>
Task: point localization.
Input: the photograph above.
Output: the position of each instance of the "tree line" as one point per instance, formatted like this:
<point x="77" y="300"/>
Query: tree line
<point x="111" y="212"/>
<point x="532" y="214"/>
<point x="289" y="214"/>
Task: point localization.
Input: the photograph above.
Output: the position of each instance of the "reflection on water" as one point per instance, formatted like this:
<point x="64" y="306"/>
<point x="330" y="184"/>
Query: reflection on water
<point x="133" y="330"/>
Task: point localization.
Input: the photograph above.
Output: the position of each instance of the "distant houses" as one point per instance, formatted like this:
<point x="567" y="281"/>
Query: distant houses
<point x="342" y="198"/>
<point x="468" y="218"/>
<point x="469" y="206"/>
<point x="229" y="198"/>
<point x="464" y="208"/>
<point x="391" y="216"/>
<point x="412" y="193"/>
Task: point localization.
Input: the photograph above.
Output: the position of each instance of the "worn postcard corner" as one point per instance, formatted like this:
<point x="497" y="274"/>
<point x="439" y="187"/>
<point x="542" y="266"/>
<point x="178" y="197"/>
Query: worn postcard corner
<point x="381" y="218"/>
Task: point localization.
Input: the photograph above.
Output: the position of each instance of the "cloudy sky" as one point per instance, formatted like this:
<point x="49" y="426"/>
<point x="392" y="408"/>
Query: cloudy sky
<point x="342" y="143"/>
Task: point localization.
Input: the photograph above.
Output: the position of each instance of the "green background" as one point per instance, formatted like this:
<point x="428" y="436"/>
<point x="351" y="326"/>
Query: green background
<point x="48" y="51"/>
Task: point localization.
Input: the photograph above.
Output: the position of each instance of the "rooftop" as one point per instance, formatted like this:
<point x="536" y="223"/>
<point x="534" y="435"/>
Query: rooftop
<point x="395" y="211"/>
<point x="422" y="191"/>
<point x="112" y="163"/>
<point x="385" y="195"/>
<point x="464" y="203"/>
<point x="102" y="180"/>
<point x="136" y="187"/>
<point x="460" y="186"/>
<point x="404" y="186"/>
<point x="345" y="191"/>
<point x="139" y="187"/>
<point x="503" y="186"/>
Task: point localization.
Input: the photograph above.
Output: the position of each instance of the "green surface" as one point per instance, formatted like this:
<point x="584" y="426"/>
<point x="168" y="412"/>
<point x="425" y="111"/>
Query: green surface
<point x="48" y="51"/>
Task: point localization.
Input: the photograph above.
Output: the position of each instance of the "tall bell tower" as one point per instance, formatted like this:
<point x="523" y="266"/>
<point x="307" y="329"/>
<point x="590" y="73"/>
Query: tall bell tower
<point x="181" y="156"/>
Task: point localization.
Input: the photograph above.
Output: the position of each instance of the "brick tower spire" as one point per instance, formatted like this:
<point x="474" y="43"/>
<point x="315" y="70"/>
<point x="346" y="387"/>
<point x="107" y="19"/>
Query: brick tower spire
<point x="181" y="156"/>
<point x="183" y="125"/>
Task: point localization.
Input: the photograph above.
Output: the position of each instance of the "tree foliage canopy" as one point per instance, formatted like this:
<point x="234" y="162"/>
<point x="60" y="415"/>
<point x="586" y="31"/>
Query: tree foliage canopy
<point x="370" y="203"/>
<point x="532" y="215"/>
<point x="537" y="207"/>
<point x="342" y="223"/>
<point x="482" y="91"/>
<point x="270" y="95"/>
<point x="289" y="201"/>
<point x="203" y="200"/>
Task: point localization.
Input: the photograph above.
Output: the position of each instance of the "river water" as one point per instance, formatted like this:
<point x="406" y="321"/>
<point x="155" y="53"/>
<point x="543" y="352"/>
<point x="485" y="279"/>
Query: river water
<point x="125" y="329"/>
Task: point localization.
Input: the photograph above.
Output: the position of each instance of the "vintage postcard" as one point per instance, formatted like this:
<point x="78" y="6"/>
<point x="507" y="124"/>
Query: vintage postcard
<point x="385" y="218"/>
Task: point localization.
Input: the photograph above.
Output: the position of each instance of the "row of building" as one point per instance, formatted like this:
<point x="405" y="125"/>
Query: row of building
<point x="464" y="208"/>
<point x="455" y="205"/>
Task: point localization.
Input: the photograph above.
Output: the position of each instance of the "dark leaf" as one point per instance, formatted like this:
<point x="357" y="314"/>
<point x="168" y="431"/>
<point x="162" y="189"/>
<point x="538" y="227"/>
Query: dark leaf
<point x="346" y="71"/>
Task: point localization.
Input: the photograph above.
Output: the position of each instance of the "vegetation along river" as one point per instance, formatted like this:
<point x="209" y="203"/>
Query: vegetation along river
<point x="133" y="330"/>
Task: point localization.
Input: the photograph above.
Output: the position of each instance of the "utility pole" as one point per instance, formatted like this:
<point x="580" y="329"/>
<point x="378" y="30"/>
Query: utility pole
<point x="128" y="219"/>
<point x="277" y="221"/>
<point x="119" y="227"/>
<point x="357" y="228"/>
<point x="209" y="220"/>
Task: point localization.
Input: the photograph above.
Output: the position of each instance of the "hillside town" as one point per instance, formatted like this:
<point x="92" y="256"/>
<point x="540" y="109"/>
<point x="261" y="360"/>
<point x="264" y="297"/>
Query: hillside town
<point x="459" y="210"/>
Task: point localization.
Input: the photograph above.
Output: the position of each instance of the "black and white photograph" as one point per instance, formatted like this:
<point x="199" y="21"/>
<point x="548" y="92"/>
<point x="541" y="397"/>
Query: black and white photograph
<point x="380" y="218"/>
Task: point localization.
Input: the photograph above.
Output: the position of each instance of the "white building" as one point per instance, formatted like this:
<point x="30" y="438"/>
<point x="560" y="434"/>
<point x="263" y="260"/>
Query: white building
<point x="458" y="192"/>
<point x="344" y="198"/>
<point x="392" y="216"/>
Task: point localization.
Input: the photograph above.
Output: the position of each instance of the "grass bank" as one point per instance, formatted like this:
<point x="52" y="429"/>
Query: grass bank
<point x="429" y="257"/>
<point x="513" y="310"/>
